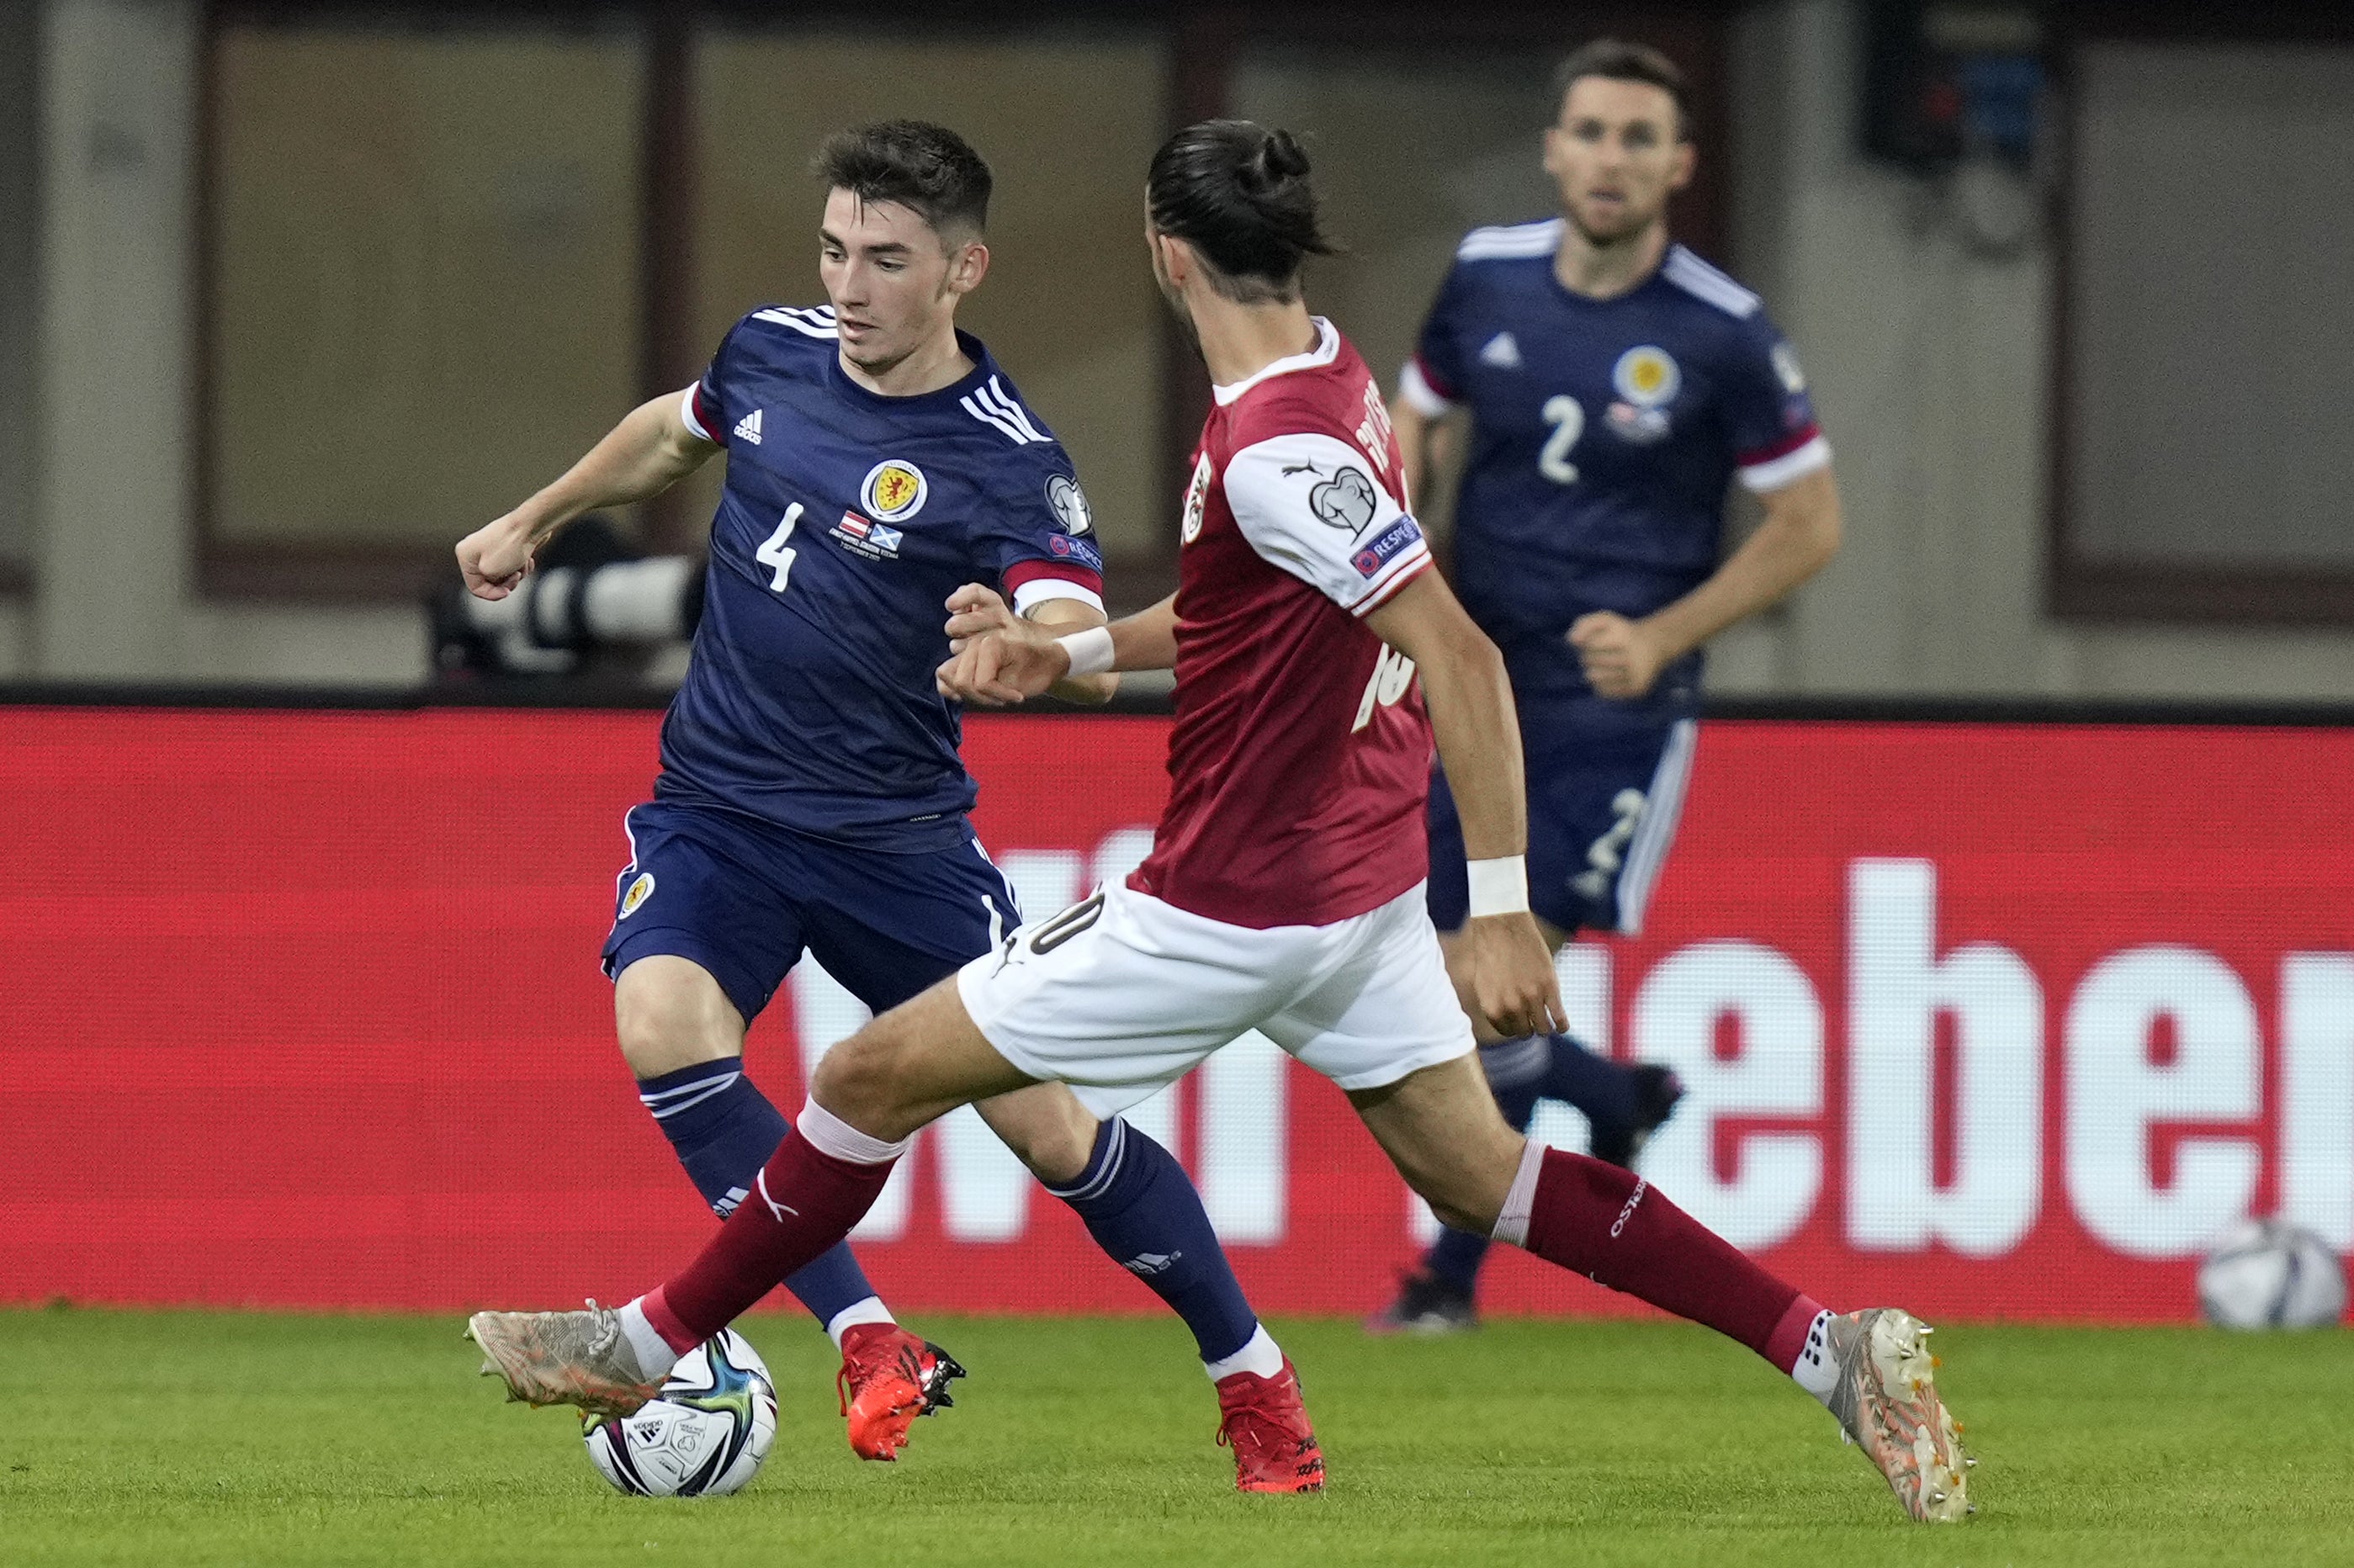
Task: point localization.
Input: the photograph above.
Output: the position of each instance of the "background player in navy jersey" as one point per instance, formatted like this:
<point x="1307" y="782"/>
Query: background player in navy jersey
<point x="1615" y="385"/>
<point x="811" y="797"/>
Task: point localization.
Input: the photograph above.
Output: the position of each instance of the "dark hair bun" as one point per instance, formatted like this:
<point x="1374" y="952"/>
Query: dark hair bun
<point x="1279" y="158"/>
<point x="1239" y="194"/>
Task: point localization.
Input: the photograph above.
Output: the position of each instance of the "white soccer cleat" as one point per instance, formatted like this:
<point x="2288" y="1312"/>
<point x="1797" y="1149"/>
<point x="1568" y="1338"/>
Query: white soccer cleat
<point x="1887" y="1400"/>
<point x="579" y="1359"/>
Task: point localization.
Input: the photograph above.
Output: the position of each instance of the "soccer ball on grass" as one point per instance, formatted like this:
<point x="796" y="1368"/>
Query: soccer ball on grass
<point x="2269" y="1274"/>
<point x="704" y="1436"/>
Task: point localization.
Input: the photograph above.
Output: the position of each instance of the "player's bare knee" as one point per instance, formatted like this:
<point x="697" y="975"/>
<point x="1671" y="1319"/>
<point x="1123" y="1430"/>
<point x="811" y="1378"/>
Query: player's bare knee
<point x="669" y="1014"/>
<point x="1047" y="1129"/>
<point x="860" y="1078"/>
<point x="1061" y="1154"/>
<point x="649" y="1046"/>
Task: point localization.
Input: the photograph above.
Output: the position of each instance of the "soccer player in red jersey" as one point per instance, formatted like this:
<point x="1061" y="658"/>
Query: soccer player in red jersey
<point x="1284" y="891"/>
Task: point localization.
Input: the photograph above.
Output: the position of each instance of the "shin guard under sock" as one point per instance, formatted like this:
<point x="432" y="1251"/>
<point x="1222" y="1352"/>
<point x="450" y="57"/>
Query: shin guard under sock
<point x="1143" y="1209"/>
<point x="1614" y="1227"/>
<point x="804" y="1201"/>
<point x="723" y="1129"/>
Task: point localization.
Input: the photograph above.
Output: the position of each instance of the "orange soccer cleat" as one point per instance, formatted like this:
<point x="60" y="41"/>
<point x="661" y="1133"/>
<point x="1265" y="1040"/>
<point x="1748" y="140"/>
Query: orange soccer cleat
<point x="888" y="1378"/>
<point x="1267" y="1426"/>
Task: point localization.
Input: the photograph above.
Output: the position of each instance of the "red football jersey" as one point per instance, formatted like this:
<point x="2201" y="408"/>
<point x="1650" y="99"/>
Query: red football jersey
<point x="1301" y="754"/>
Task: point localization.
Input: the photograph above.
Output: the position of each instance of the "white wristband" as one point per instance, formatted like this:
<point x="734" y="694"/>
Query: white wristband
<point x="1500" y="886"/>
<point x="1091" y="650"/>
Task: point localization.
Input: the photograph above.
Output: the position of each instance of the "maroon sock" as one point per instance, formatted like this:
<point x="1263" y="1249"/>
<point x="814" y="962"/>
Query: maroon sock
<point x="802" y="1204"/>
<point x="1612" y="1226"/>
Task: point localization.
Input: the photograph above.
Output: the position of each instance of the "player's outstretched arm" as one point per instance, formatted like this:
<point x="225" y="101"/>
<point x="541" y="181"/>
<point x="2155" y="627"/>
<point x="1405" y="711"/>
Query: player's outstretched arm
<point x="1798" y="539"/>
<point x="1472" y="713"/>
<point x="998" y="659"/>
<point x="649" y="450"/>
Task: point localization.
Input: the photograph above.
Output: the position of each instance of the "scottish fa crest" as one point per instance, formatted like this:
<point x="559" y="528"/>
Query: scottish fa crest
<point x="895" y="489"/>
<point x="1647" y="377"/>
<point x="1646" y="380"/>
<point x="639" y="891"/>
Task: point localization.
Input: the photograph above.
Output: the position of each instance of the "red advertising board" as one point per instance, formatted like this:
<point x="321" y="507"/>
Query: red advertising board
<point x="302" y="1009"/>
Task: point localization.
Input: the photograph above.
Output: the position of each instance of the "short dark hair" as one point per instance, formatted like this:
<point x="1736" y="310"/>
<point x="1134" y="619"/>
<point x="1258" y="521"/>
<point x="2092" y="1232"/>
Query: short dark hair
<point x="926" y="168"/>
<point x="1619" y="60"/>
<point x="1238" y="194"/>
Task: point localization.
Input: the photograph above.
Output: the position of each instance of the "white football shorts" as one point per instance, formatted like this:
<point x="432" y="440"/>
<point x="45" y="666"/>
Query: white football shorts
<point x="1123" y="994"/>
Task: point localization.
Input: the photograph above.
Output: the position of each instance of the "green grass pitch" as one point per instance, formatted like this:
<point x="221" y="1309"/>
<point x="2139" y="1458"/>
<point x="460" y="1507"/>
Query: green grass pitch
<point x="195" y="1438"/>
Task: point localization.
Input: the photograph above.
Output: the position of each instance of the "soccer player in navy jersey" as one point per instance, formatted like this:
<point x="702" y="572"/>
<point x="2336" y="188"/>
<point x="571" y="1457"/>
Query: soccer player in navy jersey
<point x="811" y="797"/>
<point x="1284" y="893"/>
<point x="1615" y="385"/>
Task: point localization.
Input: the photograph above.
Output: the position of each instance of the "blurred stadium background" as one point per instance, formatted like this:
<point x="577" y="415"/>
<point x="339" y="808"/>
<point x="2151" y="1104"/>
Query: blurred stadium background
<point x="2008" y="947"/>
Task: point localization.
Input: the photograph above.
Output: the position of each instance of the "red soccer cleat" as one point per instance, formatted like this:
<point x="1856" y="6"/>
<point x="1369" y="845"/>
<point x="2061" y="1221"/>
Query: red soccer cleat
<point x="888" y="1378"/>
<point x="1267" y="1426"/>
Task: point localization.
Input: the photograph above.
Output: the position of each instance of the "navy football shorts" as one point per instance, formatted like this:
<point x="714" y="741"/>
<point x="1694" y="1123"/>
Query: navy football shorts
<point x="745" y="899"/>
<point x="1606" y="789"/>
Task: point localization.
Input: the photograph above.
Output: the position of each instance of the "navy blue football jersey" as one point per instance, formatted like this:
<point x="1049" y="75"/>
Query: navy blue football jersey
<point x="1603" y="433"/>
<point x="847" y="520"/>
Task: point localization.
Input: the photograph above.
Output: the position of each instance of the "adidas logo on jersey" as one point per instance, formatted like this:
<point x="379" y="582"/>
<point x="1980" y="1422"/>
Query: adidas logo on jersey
<point x="1502" y="352"/>
<point x="748" y="428"/>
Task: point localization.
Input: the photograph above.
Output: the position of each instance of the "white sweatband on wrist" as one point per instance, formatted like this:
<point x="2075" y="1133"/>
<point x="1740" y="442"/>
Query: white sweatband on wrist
<point x="1500" y="886"/>
<point x="1091" y="650"/>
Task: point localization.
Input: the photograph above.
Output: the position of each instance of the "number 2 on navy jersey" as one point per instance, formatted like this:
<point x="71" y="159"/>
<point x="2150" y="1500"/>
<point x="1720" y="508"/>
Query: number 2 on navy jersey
<point x="1567" y="417"/>
<point x="775" y="553"/>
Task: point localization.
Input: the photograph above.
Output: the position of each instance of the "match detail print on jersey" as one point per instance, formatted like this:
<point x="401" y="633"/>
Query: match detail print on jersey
<point x="1308" y="503"/>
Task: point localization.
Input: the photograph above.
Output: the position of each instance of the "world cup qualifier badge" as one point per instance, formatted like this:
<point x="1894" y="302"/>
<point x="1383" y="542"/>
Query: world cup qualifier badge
<point x="894" y="490"/>
<point x="1786" y="369"/>
<point x="1069" y="505"/>
<point x="1647" y="379"/>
